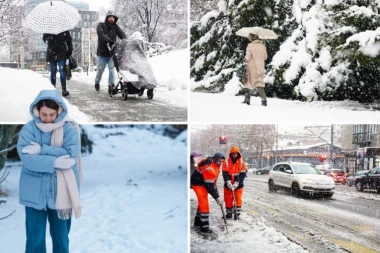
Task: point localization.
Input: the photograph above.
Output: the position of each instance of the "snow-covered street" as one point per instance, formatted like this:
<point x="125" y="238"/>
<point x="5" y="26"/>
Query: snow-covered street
<point x="132" y="199"/>
<point x="18" y="89"/>
<point x="279" y="222"/>
<point x="217" y="108"/>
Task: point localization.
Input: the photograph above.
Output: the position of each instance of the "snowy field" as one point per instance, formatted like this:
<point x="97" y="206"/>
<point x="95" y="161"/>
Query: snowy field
<point x="134" y="196"/>
<point x="249" y="234"/>
<point x="18" y="88"/>
<point x="171" y="71"/>
<point x="222" y="107"/>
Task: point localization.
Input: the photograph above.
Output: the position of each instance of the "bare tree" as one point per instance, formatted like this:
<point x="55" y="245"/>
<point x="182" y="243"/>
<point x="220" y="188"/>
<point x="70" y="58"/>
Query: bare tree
<point x="142" y="15"/>
<point x="11" y="15"/>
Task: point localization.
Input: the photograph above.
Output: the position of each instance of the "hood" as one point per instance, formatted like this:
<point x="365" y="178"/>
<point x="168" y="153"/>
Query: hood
<point x="53" y="95"/>
<point x="233" y="150"/>
<point x="110" y="13"/>
<point x="217" y="156"/>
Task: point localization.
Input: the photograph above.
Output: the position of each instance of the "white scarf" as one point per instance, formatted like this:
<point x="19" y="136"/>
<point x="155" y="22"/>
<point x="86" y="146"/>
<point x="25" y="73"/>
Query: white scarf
<point x="67" y="190"/>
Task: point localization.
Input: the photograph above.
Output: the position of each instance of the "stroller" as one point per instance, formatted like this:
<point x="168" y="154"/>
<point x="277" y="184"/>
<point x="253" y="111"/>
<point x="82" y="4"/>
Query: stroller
<point x="134" y="72"/>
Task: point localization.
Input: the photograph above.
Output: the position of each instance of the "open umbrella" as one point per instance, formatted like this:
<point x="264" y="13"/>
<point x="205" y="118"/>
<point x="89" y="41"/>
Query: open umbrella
<point x="264" y="34"/>
<point x="53" y="17"/>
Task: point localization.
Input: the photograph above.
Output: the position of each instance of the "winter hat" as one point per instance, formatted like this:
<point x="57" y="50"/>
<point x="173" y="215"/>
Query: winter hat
<point x="218" y="156"/>
<point x="253" y="37"/>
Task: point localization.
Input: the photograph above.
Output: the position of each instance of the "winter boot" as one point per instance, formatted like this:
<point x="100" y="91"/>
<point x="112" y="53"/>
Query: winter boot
<point x="65" y="92"/>
<point x="111" y="89"/>
<point x="206" y="230"/>
<point x="247" y="96"/>
<point x="229" y="216"/>
<point x="263" y="102"/>
<point x="197" y="221"/>
<point x="97" y="87"/>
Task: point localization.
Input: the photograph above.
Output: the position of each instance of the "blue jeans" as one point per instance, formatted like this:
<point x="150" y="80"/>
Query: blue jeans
<point x="102" y="62"/>
<point x="53" y="71"/>
<point x="35" y="221"/>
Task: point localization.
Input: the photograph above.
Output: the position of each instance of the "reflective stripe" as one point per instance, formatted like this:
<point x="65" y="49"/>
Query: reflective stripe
<point x="208" y="168"/>
<point x="204" y="214"/>
<point x="209" y="181"/>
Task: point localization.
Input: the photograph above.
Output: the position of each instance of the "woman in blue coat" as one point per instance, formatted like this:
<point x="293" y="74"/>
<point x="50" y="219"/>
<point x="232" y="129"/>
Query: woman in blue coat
<point x="49" y="148"/>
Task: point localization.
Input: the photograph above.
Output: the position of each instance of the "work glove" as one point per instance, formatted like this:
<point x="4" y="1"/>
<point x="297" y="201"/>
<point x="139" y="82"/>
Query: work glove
<point x="219" y="201"/>
<point x="34" y="149"/>
<point x="64" y="162"/>
<point x="236" y="185"/>
<point x="229" y="185"/>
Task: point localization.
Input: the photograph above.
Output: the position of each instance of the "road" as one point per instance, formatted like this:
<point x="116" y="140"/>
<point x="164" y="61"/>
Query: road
<point x="348" y="222"/>
<point x="102" y="108"/>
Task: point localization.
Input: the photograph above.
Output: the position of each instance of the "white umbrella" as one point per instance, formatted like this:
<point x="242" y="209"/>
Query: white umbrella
<point x="264" y="34"/>
<point x="53" y="17"/>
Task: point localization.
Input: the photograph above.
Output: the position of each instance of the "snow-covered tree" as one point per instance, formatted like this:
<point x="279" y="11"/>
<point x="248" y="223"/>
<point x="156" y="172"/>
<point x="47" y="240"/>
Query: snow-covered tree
<point x="215" y="49"/>
<point x="327" y="50"/>
<point x="162" y="21"/>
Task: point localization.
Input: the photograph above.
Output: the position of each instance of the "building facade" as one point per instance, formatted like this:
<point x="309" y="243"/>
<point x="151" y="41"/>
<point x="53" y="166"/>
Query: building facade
<point x="361" y="147"/>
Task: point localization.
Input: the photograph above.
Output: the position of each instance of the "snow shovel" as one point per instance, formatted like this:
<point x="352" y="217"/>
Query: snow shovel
<point x="235" y="211"/>
<point x="224" y="214"/>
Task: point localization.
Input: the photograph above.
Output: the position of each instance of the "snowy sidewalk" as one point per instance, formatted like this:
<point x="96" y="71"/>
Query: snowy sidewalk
<point x="219" y="108"/>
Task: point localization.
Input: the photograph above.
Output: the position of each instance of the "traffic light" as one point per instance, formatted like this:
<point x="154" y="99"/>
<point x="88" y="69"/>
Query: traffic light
<point x="322" y="158"/>
<point x="222" y="140"/>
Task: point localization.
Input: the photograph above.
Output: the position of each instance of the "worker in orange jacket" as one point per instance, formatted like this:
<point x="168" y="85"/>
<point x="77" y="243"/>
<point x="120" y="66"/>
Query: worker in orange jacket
<point x="234" y="173"/>
<point x="203" y="182"/>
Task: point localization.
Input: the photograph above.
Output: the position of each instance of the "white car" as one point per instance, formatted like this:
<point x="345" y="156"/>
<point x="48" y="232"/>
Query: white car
<point x="300" y="179"/>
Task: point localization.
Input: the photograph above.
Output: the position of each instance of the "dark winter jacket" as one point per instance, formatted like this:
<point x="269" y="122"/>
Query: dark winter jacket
<point x="60" y="46"/>
<point x="107" y="33"/>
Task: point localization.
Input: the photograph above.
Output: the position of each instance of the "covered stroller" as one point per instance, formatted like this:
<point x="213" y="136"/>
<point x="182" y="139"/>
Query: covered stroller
<point x="134" y="72"/>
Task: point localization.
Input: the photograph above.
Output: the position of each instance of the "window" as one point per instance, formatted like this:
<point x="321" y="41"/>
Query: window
<point x="358" y="129"/>
<point x="372" y="129"/>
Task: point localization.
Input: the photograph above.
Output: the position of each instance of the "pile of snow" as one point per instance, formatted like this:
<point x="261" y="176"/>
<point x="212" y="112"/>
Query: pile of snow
<point x="19" y="88"/>
<point x="132" y="199"/>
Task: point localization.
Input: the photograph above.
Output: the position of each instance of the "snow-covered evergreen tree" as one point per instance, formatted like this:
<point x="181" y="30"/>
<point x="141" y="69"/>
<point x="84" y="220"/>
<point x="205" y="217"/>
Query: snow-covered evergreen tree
<point x="327" y="50"/>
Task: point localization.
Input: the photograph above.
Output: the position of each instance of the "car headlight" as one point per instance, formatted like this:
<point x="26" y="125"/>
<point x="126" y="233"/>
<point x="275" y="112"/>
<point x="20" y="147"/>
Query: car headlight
<point x="305" y="181"/>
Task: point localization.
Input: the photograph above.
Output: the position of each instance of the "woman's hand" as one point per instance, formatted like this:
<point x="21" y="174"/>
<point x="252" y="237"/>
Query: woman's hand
<point x="34" y="149"/>
<point x="64" y="162"/>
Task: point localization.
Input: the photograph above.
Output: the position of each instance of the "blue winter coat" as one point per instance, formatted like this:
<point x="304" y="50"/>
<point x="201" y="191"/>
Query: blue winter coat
<point x="38" y="180"/>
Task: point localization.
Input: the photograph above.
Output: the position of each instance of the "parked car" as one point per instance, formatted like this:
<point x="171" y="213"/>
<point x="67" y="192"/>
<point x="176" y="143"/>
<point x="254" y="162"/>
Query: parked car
<point x="351" y="180"/>
<point x="339" y="176"/>
<point x="371" y="180"/>
<point x="301" y="179"/>
<point x="263" y="171"/>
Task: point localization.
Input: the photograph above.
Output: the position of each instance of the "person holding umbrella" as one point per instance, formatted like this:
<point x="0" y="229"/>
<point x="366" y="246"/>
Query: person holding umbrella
<point x="255" y="56"/>
<point x="54" y="19"/>
<point x="60" y="48"/>
<point x="49" y="148"/>
<point x="107" y="32"/>
<point x="203" y="182"/>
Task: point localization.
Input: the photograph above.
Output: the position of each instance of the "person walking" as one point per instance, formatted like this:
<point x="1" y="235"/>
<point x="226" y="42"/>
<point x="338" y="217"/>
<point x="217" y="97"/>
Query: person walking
<point x="234" y="173"/>
<point x="49" y="149"/>
<point x="203" y="182"/>
<point x="107" y="32"/>
<point x="60" y="48"/>
<point x="255" y="57"/>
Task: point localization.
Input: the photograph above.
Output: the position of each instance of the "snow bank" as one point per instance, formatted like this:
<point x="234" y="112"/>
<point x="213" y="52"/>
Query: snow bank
<point x="18" y="89"/>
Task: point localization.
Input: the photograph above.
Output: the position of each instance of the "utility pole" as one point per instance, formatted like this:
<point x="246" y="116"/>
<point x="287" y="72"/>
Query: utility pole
<point x="275" y="155"/>
<point x="82" y="47"/>
<point x="89" y="50"/>
<point x="331" y="147"/>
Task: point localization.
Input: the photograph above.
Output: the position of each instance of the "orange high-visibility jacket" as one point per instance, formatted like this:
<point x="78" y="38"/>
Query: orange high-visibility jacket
<point x="206" y="175"/>
<point x="234" y="171"/>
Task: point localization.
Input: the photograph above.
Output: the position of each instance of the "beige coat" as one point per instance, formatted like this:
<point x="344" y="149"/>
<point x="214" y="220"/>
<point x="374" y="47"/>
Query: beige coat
<point x="255" y="69"/>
